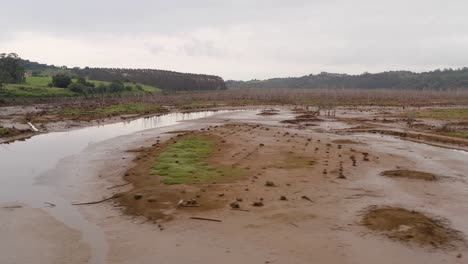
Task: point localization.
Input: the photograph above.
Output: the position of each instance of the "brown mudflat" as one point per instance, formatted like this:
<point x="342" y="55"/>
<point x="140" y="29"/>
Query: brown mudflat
<point x="269" y="154"/>
<point x="410" y="174"/>
<point x="411" y="226"/>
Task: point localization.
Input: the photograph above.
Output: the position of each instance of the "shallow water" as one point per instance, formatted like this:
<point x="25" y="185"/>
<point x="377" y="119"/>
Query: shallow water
<point x="22" y="162"/>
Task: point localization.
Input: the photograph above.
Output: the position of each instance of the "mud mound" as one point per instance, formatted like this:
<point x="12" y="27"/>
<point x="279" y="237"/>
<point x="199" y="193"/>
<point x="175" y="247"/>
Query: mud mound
<point x="302" y="119"/>
<point x="411" y="226"/>
<point x="269" y="112"/>
<point x="307" y="116"/>
<point x="417" y="175"/>
<point x="344" y="141"/>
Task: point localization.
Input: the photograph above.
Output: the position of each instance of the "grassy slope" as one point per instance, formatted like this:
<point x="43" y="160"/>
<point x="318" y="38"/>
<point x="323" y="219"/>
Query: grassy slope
<point x="186" y="161"/>
<point x="20" y="90"/>
<point x="37" y="87"/>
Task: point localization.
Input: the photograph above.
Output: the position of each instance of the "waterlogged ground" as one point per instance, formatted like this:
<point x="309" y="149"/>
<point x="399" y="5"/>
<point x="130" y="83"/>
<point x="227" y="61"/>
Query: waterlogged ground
<point x="26" y="182"/>
<point x="313" y="190"/>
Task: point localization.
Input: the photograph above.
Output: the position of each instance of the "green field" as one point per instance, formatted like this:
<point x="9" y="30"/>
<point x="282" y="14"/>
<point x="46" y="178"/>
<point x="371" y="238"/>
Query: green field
<point x="458" y="134"/>
<point x="20" y="90"/>
<point x="38" y="81"/>
<point x="444" y="114"/>
<point x="186" y="162"/>
<point x="38" y="87"/>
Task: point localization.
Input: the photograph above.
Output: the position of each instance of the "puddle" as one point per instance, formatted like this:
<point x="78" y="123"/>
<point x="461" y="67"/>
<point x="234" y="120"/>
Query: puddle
<point x="434" y="159"/>
<point x="332" y="125"/>
<point x="22" y="162"/>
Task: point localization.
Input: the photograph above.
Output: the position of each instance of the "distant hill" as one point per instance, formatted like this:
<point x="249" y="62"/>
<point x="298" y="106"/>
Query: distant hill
<point x="438" y="79"/>
<point x="165" y="80"/>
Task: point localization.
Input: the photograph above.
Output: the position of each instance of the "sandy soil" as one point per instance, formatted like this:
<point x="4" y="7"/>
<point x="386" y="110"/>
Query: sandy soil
<point x="30" y="235"/>
<point x="338" y="173"/>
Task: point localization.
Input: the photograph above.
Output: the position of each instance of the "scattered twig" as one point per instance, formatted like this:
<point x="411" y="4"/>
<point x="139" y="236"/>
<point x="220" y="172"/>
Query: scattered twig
<point x="50" y="204"/>
<point x="13" y="207"/>
<point x="293" y="224"/>
<point x="205" y="219"/>
<point x="307" y="198"/>
<point x="120" y="185"/>
<point x="239" y="209"/>
<point x="100" y="201"/>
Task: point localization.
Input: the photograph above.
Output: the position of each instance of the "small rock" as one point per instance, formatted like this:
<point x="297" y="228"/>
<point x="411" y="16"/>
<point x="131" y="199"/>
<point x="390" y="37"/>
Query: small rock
<point x="262" y="145"/>
<point x="235" y="205"/>
<point x="257" y="204"/>
<point x="270" y="184"/>
<point x="151" y="200"/>
<point x="459" y="255"/>
<point x="283" y="198"/>
<point x="138" y="196"/>
<point x="239" y="199"/>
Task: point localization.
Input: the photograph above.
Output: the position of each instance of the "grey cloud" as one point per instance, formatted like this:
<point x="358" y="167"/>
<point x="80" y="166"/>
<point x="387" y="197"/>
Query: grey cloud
<point x="276" y="37"/>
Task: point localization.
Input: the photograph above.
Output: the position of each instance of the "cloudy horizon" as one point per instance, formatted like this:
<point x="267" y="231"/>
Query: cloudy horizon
<point x="240" y="40"/>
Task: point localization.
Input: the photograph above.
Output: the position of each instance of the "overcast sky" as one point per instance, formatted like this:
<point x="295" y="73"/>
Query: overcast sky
<point x="240" y="39"/>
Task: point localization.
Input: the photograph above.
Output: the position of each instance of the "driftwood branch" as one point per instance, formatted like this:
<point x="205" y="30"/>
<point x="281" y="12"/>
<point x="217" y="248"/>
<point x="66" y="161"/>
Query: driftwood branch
<point x="33" y="127"/>
<point x="120" y="185"/>
<point x="50" y="204"/>
<point x="205" y="219"/>
<point x="239" y="209"/>
<point x="100" y="201"/>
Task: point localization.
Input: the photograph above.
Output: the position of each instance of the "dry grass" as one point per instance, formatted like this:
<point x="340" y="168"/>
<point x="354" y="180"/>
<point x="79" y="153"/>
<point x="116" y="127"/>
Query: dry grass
<point x="326" y="99"/>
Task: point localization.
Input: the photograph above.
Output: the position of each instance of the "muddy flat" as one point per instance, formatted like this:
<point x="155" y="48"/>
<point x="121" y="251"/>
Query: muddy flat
<point x="242" y="187"/>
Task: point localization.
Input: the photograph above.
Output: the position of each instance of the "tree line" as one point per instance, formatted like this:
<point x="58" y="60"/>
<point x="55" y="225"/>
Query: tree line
<point x="438" y="79"/>
<point x="83" y="87"/>
<point x="165" y="80"/>
<point x="11" y="69"/>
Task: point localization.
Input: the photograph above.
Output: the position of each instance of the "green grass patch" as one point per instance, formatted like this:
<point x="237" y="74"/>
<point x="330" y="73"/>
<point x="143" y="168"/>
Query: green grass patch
<point x="458" y="134"/>
<point x="38" y="81"/>
<point x="8" y="132"/>
<point x="186" y="162"/>
<point x="444" y="114"/>
<point x="111" y="110"/>
<point x="38" y="87"/>
<point x="20" y="90"/>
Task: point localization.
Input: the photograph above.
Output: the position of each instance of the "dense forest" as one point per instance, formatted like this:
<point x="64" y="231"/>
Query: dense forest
<point x="165" y="80"/>
<point x="438" y="79"/>
<point x="11" y="70"/>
